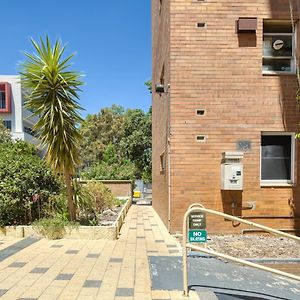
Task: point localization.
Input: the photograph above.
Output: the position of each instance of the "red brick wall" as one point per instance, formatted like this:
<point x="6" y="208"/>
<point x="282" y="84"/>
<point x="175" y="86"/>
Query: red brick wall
<point x="216" y="69"/>
<point x="160" y="106"/>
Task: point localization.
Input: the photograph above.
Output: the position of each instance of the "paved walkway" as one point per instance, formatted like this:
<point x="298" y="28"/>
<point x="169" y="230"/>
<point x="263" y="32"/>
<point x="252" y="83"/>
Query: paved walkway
<point x="92" y="269"/>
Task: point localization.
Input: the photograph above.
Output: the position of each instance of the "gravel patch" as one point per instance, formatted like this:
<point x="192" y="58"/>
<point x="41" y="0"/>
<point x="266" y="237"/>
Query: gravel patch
<point x="255" y="246"/>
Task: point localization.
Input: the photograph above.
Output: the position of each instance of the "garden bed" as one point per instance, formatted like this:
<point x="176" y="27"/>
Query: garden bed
<point x="255" y="246"/>
<point x="110" y="232"/>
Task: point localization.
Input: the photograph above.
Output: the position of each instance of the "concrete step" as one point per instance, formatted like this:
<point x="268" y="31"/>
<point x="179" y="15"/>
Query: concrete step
<point x="206" y="294"/>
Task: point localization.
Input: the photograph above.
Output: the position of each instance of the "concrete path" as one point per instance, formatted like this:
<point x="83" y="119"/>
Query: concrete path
<point x="92" y="269"/>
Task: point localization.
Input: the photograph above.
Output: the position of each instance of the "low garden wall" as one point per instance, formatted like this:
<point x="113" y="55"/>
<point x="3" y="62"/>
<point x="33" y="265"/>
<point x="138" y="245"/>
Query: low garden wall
<point x="119" y="188"/>
<point x="81" y="232"/>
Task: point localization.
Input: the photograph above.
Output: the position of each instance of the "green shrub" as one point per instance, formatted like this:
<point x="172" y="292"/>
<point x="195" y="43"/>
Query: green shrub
<point x="110" y="171"/>
<point x="102" y="197"/>
<point x="91" y="199"/>
<point x="53" y="228"/>
<point x="26" y="183"/>
<point x="57" y="205"/>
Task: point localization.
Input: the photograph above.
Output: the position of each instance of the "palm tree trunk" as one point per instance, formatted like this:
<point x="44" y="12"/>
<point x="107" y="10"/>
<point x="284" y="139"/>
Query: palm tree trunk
<point x="71" y="206"/>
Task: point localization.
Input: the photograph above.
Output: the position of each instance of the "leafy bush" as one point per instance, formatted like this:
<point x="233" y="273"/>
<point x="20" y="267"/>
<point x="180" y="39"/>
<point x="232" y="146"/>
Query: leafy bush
<point x="26" y="183"/>
<point x="111" y="167"/>
<point x="106" y="171"/>
<point x="53" y="228"/>
<point x="57" y="205"/>
<point x="5" y="136"/>
<point x="91" y="199"/>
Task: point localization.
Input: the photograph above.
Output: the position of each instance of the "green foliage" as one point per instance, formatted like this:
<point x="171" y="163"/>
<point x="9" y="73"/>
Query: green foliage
<point x="5" y="136"/>
<point x="101" y="196"/>
<point x="91" y="199"/>
<point x="111" y="167"/>
<point x="57" y="205"/>
<point x="124" y="137"/>
<point x="148" y="84"/>
<point x="53" y="228"/>
<point x="26" y="183"/>
<point x="98" y="131"/>
<point x="53" y="97"/>
<point x="136" y="142"/>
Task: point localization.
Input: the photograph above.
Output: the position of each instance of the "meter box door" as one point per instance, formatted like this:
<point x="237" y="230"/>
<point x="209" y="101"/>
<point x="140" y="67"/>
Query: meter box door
<point x="232" y="177"/>
<point x="232" y="171"/>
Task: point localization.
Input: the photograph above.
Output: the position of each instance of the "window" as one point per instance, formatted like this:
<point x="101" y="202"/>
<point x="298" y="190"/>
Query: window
<point x="200" y="138"/>
<point x="5" y="97"/>
<point x="277" y="158"/>
<point x="7" y="124"/>
<point x="29" y="131"/>
<point x="2" y="100"/>
<point x="200" y="112"/>
<point x="278" y="47"/>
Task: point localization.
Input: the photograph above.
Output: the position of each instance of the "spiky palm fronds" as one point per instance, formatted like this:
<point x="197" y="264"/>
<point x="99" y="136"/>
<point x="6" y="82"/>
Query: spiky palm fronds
<point x="52" y="95"/>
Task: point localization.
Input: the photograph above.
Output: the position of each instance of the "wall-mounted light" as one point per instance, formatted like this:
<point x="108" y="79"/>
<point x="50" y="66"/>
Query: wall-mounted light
<point x="159" y="88"/>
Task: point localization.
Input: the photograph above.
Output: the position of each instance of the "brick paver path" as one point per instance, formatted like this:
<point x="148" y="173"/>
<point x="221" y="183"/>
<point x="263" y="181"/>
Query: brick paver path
<point x="92" y="269"/>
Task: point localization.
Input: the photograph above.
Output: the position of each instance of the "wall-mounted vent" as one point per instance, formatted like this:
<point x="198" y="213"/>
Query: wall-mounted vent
<point x="200" y="138"/>
<point x="200" y="112"/>
<point x="201" y="25"/>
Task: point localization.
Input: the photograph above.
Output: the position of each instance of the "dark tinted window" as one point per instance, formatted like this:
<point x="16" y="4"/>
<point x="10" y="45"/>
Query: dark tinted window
<point x="271" y="27"/>
<point x="7" y="124"/>
<point x="276" y="157"/>
<point x="2" y="100"/>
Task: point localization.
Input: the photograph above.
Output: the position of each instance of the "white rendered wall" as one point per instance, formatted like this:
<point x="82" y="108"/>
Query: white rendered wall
<point x="19" y="115"/>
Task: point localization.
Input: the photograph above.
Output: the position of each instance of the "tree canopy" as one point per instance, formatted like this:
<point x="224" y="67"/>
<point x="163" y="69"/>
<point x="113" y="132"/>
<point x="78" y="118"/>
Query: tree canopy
<point x="125" y="132"/>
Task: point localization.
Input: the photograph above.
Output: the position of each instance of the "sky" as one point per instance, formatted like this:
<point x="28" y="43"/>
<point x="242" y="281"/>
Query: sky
<point x="112" y="41"/>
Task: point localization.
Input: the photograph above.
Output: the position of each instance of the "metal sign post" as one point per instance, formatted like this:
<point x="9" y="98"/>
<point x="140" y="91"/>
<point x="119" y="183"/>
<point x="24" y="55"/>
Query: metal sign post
<point x="197" y="221"/>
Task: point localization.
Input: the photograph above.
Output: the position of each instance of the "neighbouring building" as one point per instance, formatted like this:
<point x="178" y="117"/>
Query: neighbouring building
<point x="14" y="115"/>
<point x="225" y="113"/>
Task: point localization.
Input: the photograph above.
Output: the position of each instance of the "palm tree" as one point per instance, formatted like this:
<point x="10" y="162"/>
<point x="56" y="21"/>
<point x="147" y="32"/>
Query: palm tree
<point x="53" y="94"/>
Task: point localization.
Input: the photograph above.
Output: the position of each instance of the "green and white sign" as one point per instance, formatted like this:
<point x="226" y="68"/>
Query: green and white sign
<point x="197" y="236"/>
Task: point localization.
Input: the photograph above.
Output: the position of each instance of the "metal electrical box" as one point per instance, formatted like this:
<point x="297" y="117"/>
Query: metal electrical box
<point x="232" y="171"/>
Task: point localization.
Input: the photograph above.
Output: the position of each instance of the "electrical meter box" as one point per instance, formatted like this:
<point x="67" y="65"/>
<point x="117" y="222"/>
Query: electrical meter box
<point x="232" y="171"/>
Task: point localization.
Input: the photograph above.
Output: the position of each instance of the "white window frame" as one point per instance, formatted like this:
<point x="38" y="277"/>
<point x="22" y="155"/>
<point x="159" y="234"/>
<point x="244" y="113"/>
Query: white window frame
<point x="280" y="182"/>
<point x="294" y="43"/>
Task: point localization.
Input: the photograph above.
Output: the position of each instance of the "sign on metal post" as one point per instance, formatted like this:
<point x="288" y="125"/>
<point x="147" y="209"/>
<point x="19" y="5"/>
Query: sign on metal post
<point x="197" y="226"/>
<point x="194" y="225"/>
<point x="197" y="236"/>
<point x="197" y="220"/>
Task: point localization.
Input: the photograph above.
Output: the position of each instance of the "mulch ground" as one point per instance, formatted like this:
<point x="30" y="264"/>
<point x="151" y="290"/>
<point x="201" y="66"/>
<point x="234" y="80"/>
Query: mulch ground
<point x="255" y="246"/>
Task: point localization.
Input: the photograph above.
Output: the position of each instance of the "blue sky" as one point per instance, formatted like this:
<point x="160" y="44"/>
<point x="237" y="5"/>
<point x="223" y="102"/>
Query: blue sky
<point x="112" y="40"/>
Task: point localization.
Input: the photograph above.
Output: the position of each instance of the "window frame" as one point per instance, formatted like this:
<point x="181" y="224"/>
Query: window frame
<point x="2" y="99"/>
<point x="280" y="182"/>
<point x="7" y="97"/>
<point x="292" y="58"/>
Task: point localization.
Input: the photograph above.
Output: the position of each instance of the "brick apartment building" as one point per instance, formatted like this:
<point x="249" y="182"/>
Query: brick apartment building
<point x="224" y="86"/>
